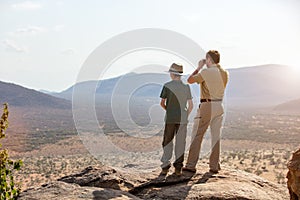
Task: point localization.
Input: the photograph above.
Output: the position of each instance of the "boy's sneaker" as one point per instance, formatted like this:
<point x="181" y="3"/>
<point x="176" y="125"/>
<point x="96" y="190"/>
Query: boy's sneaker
<point x="164" y="171"/>
<point x="178" y="171"/>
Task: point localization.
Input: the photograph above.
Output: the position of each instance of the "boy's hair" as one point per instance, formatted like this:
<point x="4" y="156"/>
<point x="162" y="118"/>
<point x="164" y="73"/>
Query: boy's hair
<point x="214" y="55"/>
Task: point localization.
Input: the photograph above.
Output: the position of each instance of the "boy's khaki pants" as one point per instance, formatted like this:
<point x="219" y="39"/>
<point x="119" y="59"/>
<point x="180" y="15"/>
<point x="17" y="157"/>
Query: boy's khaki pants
<point x="208" y="114"/>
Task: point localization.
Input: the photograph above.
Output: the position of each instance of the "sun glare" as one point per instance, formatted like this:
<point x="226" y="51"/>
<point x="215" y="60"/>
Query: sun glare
<point x="294" y="74"/>
<point x="296" y="69"/>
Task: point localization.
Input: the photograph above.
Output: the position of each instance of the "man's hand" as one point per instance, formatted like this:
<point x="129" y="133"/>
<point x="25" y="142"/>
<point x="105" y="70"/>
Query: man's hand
<point x="201" y="63"/>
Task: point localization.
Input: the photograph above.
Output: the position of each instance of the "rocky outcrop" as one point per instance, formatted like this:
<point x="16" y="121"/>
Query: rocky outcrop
<point x="228" y="184"/>
<point x="104" y="177"/>
<point x="60" y="190"/>
<point x="293" y="176"/>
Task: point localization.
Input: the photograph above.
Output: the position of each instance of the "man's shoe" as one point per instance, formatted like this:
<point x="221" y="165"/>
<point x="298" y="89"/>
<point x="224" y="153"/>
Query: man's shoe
<point x="189" y="169"/>
<point x="164" y="171"/>
<point x="213" y="171"/>
<point x="178" y="171"/>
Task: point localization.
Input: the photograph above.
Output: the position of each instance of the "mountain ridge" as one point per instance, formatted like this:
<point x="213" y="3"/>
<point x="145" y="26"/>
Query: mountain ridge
<point x="17" y="95"/>
<point x="289" y="106"/>
<point x="264" y="86"/>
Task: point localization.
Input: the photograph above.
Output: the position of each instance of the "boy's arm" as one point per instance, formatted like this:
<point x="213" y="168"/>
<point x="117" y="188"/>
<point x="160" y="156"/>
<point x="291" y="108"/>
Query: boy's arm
<point x="163" y="104"/>
<point x="190" y="106"/>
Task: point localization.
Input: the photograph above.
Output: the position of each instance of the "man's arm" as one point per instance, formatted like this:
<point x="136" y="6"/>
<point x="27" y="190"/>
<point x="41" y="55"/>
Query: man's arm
<point x="190" y="106"/>
<point x="163" y="104"/>
<point x="191" y="78"/>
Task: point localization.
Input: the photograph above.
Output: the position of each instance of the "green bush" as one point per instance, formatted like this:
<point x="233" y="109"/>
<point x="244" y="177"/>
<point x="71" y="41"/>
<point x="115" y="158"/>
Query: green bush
<point x="8" y="188"/>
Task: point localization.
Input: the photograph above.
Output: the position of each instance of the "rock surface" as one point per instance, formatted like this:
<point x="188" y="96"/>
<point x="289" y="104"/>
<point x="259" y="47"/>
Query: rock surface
<point x="111" y="184"/>
<point x="60" y="190"/>
<point x="293" y="176"/>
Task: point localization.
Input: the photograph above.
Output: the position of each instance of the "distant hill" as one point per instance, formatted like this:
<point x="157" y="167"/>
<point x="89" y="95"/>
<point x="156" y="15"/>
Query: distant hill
<point x="16" y="95"/>
<point x="46" y="91"/>
<point x="35" y="118"/>
<point x="264" y="86"/>
<point x="259" y="86"/>
<point x="290" y="106"/>
<point x="107" y="86"/>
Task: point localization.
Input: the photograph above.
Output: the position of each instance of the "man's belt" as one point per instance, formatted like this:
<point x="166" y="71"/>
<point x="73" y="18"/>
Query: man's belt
<point x="209" y="100"/>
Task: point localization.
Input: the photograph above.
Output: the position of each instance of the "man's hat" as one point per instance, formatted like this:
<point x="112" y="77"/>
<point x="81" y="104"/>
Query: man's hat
<point x="176" y="69"/>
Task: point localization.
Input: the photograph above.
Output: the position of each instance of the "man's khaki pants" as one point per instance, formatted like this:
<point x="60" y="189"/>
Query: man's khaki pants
<point x="208" y="114"/>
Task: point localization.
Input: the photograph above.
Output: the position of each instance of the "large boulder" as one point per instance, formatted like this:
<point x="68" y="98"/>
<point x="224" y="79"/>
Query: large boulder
<point x="293" y="176"/>
<point x="227" y="184"/>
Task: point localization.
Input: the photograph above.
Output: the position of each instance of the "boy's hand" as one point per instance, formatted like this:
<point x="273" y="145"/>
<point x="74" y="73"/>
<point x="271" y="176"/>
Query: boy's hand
<point x="163" y="104"/>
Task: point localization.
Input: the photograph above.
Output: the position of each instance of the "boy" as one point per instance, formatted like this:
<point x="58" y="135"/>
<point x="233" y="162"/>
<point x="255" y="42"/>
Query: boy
<point x="175" y="96"/>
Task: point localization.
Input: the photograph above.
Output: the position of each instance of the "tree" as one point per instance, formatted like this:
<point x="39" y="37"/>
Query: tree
<point x="8" y="188"/>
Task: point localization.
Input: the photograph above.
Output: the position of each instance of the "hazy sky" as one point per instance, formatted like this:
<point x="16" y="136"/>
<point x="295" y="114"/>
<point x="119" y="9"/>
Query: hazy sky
<point x="44" y="43"/>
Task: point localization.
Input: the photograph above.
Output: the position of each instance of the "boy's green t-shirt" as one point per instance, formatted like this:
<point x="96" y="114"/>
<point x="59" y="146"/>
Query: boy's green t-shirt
<point x="177" y="93"/>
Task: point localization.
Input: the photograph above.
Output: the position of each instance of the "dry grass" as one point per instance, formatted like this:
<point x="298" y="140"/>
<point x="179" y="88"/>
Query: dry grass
<point x="57" y="160"/>
<point x="257" y="142"/>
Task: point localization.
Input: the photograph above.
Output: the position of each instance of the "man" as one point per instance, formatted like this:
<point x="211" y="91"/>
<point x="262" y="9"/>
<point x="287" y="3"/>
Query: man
<point x="175" y="96"/>
<point x="213" y="81"/>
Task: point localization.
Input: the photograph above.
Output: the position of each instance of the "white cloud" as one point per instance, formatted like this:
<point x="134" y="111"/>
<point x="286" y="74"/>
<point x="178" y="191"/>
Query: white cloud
<point x="30" y="30"/>
<point x="12" y="46"/>
<point x="34" y="30"/>
<point x="26" y="5"/>
<point x="68" y="52"/>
